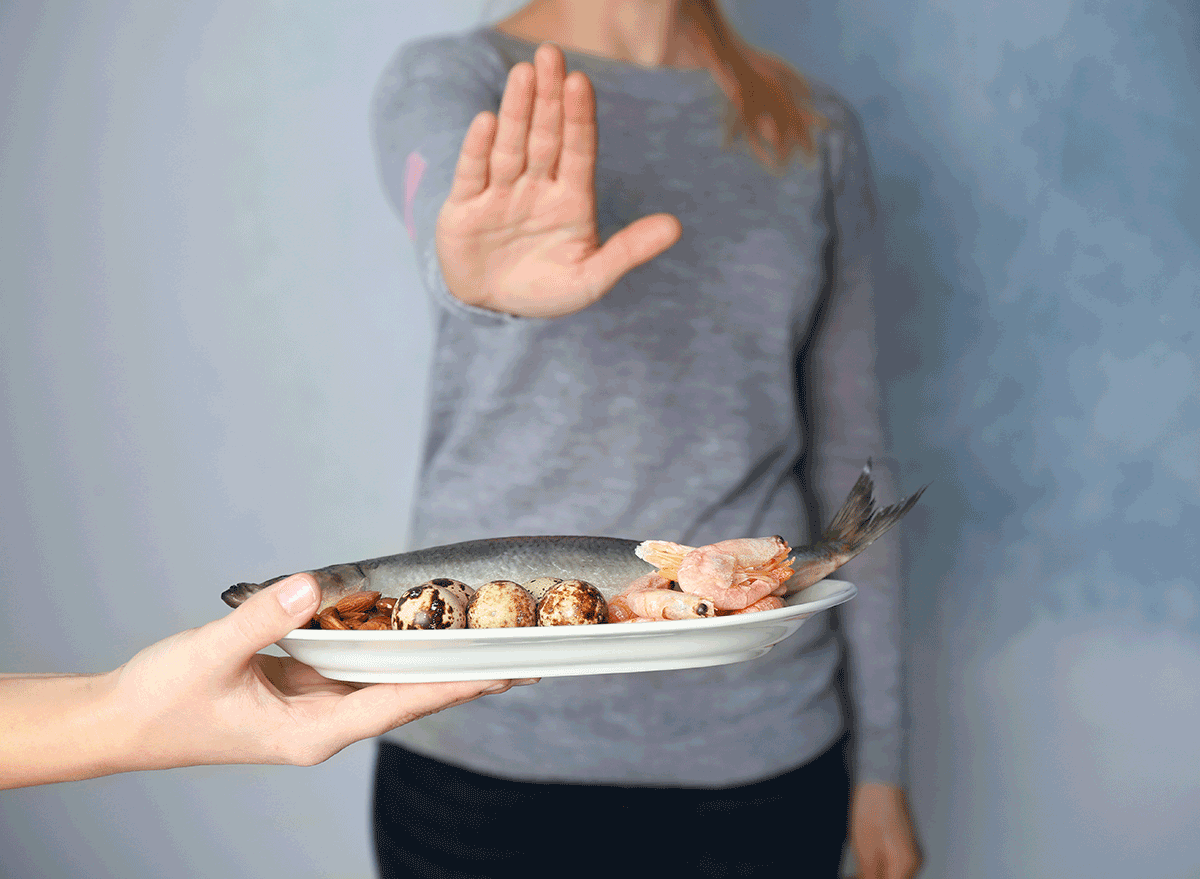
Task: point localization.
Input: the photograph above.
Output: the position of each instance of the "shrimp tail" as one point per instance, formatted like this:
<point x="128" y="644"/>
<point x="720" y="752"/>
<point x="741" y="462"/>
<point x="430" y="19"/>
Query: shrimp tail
<point x="858" y="523"/>
<point x="664" y="555"/>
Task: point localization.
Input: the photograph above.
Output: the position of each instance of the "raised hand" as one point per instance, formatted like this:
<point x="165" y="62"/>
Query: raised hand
<point x="518" y="232"/>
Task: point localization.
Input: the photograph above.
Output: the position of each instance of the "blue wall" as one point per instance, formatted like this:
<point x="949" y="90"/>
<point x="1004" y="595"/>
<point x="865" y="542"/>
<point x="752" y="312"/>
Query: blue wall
<point x="1038" y="166"/>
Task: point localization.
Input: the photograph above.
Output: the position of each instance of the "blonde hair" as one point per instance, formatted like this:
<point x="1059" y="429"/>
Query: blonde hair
<point x="770" y="102"/>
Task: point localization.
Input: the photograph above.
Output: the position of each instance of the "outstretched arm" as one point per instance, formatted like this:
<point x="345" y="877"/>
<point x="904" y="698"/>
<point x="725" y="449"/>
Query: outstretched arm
<point x="204" y="696"/>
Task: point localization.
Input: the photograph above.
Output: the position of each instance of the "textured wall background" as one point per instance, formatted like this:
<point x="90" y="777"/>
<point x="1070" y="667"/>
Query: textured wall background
<point x="1037" y="163"/>
<point x="213" y="356"/>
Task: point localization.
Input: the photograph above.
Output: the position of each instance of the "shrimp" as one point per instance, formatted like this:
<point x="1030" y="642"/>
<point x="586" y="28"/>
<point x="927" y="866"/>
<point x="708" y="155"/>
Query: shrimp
<point x="769" y="602"/>
<point x="736" y="573"/>
<point x="653" y="580"/>
<point x="659" y="604"/>
<point x="631" y="606"/>
<point x="733" y="573"/>
<point x="715" y="574"/>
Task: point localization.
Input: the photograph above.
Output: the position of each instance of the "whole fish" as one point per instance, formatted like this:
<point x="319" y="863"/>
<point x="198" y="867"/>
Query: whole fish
<point x="609" y="563"/>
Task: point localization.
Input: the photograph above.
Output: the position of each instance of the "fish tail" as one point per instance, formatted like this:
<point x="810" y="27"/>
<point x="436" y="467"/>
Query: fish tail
<point x="858" y="523"/>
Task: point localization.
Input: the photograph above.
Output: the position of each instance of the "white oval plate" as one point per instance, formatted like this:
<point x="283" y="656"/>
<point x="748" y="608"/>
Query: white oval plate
<point x="556" y="651"/>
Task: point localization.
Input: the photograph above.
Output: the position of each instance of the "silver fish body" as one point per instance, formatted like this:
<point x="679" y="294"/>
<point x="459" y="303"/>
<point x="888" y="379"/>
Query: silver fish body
<point x="608" y="563"/>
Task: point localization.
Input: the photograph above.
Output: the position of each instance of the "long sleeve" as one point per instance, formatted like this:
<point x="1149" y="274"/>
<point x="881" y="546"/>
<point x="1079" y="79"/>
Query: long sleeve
<point x="841" y="407"/>
<point x="423" y="105"/>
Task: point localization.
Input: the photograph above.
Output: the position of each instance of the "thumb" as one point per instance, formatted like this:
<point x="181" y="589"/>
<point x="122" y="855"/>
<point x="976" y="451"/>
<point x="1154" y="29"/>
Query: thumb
<point x="263" y="618"/>
<point x="637" y="243"/>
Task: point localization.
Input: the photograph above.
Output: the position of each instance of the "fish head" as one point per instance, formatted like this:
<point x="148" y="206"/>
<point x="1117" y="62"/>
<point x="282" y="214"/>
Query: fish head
<point x="335" y="582"/>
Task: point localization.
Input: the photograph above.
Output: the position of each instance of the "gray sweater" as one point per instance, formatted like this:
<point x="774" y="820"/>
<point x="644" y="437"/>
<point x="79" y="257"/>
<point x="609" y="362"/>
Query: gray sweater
<point x="725" y="389"/>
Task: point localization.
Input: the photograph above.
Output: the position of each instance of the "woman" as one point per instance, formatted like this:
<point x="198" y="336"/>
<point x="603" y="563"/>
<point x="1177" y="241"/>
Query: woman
<point x="654" y="291"/>
<point x="205" y="696"/>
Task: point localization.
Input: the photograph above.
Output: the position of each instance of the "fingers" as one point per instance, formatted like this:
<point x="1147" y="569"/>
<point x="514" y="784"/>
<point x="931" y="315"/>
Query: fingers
<point x="471" y="172"/>
<point x="262" y="619"/>
<point x="374" y="710"/>
<point x="545" y="132"/>
<point x="577" y="163"/>
<point x="545" y="126"/>
<point x="508" y="150"/>
<point x="637" y="243"/>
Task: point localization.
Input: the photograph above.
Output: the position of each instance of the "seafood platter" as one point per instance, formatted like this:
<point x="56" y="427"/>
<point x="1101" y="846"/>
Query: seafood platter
<point x="519" y="607"/>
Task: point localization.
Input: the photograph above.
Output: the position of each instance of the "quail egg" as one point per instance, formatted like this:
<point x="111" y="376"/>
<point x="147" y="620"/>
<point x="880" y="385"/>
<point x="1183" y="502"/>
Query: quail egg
<point x="456" y="586"/>
<point x="501" y="604"/>
<point x="537" y="587"/>
<point x="429" y="607"/>
<point x="572" y="603"/>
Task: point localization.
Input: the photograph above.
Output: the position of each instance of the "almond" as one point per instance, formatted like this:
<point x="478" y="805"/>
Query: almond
<point x="385" y="605"/>
<point x="329" y="619"/>
<point x="354" y="620"/>
<point x="358" y="602"/>
<point x="375" y="624"/>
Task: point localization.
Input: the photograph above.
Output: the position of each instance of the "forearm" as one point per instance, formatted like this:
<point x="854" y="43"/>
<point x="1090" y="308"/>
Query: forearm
<point x="62" y="728"/>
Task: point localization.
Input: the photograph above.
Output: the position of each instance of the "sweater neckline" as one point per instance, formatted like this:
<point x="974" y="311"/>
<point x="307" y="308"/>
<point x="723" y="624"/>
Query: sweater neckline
<point x="674" y="85"/>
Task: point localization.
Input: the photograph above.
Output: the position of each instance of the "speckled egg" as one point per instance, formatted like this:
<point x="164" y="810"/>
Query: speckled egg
<point x="538" y="586"/>
<point x="429" y="607"/>
<point x="572" y="603"/>
<point x="501" y="604"/>
<point x="457" y="586"/>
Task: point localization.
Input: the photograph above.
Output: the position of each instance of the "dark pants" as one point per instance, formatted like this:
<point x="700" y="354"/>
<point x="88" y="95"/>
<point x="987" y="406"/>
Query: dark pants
<point x="437" y="821"/>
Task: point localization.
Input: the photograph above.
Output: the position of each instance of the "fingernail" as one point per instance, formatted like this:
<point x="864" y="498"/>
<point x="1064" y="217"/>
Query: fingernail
<point x="496" y="688"/>
<point x="525" y="682"/>
<point x="296" y="594"/>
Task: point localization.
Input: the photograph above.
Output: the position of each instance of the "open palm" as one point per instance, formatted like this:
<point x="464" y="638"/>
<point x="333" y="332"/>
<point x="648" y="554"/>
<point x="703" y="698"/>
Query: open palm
<point x="518" y="232"/>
